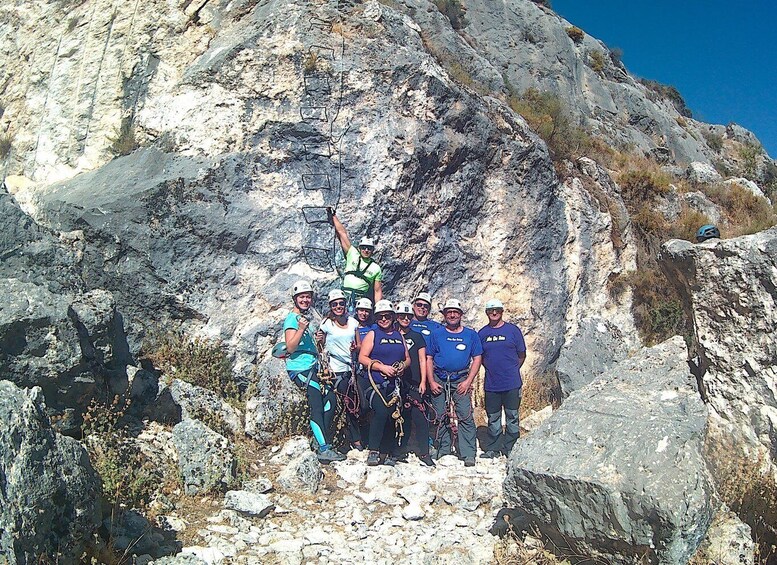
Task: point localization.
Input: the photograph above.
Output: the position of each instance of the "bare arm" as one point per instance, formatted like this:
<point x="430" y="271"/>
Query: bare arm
<point x="422" y="363"/>
<point x="521" y="359"/>
<point x="466" y="385"/>
<point x="293" y="337"/>
<point x="378" y="291"/>
<point x="341" y="233"/>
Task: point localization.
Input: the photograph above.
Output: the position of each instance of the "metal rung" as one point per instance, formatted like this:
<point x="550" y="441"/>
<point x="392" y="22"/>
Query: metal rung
<point x="314" y="113"/>
<point x="317" y="83"/>
<point x="316" y="181"/>
<point x="316" y="22"/>
<point x="322" y="52"/>
<point x="318" y="258"/>
<point x="315" y="214"/>
<point x="317" y="150"/>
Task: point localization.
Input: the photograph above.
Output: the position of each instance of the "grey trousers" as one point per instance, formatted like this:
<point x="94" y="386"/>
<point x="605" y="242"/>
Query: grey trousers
<point x="466" y="422"/>
<point x="510" y="401"/>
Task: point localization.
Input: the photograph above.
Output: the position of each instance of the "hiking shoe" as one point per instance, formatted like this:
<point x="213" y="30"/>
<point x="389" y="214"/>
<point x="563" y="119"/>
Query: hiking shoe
<point x="490" y="455"/>
<point x="357" y="445"/>
<point x="390" y="461"/>
<point x="329" y="455"/>
<point x="373" y="459"/>
<point x="427" y="460"/>
<point x="469" y="461"/>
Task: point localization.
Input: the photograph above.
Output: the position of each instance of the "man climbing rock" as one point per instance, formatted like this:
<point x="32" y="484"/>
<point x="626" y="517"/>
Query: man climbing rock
<point x="504" y="352"/>
<point x="363" y="276"/>
<point x="453" y="360"/>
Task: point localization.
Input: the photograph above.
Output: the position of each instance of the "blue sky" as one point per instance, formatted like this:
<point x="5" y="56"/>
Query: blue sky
<point x="721" y="55"/>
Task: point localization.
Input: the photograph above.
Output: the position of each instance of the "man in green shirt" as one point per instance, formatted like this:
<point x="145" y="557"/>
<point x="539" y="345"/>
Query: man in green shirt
<point x="363" y="276"/>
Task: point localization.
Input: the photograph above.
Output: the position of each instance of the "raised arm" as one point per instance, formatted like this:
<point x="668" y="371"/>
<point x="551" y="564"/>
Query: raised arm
<point x="340" y="232"/>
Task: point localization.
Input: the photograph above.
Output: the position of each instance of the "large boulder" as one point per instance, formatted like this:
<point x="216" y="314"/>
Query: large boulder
<point x="730" y="291"/>
<point x="48" y="490"/>
<point x="205" y="458"/>
<point x="617" y="472"/>
<point x="595" y="348"/>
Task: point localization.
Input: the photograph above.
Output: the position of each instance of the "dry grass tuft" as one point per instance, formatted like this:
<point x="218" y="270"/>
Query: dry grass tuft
<point x="540" y="391"/>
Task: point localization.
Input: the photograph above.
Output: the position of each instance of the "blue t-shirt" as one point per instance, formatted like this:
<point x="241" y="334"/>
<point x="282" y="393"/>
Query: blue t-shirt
<point x="304" y="357"/>
<point x="388" y="348"/>
<point x="501" y="348"/>
<point x="426" y="328"/>
<point x="364" y="330"/>
<point x="452" y="352"/>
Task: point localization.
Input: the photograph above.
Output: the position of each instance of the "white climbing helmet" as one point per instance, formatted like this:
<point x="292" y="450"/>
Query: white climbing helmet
<point x="384" y="306"/>
<point x="300" y="287"/>
<point x="336" y="294"/>
<point x="365" y="303"/>
<point x="452" y="304"/>
<point x="404" y="307"/>
<point x="425" y="297"/>
<point x="494" y="303"/>
<point x="367" y="242"/>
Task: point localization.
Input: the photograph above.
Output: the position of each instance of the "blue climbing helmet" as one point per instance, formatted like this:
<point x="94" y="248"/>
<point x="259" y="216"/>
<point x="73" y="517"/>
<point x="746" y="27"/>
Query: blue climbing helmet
<point x="707" y="231"/>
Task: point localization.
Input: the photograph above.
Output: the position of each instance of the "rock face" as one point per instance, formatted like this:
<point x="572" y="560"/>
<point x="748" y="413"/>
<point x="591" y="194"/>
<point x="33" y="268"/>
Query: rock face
<point x="48" y="489"/>
<point x="730" y="288"/>
<point x="205" y="223"/>
<point x="617" y="472"/>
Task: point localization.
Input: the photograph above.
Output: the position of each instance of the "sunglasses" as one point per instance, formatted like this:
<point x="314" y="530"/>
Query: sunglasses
<point x="404" y="316"/>
<point x="337" y="303"/>
<point x="493" y="310"/>
<point x="423" y="305"/>
<point x="366" y="248"/>
<point x="384" y="316"/>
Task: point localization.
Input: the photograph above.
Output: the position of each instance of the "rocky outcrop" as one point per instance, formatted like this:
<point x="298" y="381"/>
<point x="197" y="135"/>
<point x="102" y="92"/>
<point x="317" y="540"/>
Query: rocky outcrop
<point x="48" y="489"/>
<point x="205" y="457"/>
<point x="596" y="347"/>
<point x="730" y="290"/>
<point x="617" y="472"/>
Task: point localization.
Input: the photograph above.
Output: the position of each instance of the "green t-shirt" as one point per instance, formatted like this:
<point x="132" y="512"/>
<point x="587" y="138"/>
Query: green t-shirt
<point x="304" y="357"/>
<point x="370" y="270"/>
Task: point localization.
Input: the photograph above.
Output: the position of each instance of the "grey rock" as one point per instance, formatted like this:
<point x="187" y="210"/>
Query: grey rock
<point x="48" y="489"/>
<point x="200" y="403"/>
<point x="131" y="532"/>
<point x="729" y="287"/>
<point x="301" y="473"/>
<point x="535" y="419"/>
<point x="594" y="349"/>
<point x="698" y="201"/>
<point x="728" y="541"/>
<point x="277" y="408"/>
<point x="248" y="502"/>
<point x="617" y="472"/>
<point x="702" y="173"/>
<point x="205" y="458"/>
<point x="747" y="184"/>
<point x="259" y="485"/>
<point x="182" y="559"/>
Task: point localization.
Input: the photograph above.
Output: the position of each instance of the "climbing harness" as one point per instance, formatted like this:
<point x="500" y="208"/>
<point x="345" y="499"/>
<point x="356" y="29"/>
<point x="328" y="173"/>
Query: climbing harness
<point x="394" y="400"/>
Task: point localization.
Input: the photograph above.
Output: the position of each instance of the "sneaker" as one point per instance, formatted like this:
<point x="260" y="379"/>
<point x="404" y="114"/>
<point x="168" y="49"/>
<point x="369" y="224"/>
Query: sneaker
<point x="490" y="455"/>
<point x="329" y="455"/>
<point x="469" y="461"/>
<point x="390" y="461"/>
<point x="427" y="460"/>
<point x="357" y="445"/>
<point x="373" y="459"/>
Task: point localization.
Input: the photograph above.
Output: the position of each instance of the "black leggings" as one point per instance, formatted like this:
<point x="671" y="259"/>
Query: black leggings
<point x="416" y="424"/>
<point x="382" y="427"/>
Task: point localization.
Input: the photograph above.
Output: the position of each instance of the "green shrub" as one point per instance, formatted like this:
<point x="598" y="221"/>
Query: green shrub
<point x="129" y="478"/>
<point x="667" y="92"/>
<point x="687" y="223"/>
<point x="454" y="11"/>
<point x="642" y="185"/>
<point x="547" y="115"/>
<point x="575" y="34"/>
<point x="749" y="154"/>
<point x="657" y="308"/>
<point x="124" y="143"/>
<point x="745" y="212"/>
<point x="714" y="140"/>
<point x="596" y="60"/>
<point x="197" y="361"/>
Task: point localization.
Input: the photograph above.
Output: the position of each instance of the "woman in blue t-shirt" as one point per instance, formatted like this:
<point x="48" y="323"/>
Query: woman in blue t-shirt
<point x="384" y="353"/>
<point x="302" y="366"/>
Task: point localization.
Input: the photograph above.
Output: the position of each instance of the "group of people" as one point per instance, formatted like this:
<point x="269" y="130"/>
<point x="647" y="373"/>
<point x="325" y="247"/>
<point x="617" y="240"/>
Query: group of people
<point x="404" y="379"/>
